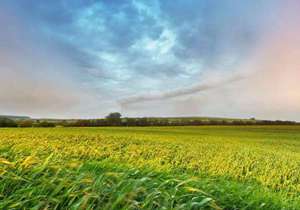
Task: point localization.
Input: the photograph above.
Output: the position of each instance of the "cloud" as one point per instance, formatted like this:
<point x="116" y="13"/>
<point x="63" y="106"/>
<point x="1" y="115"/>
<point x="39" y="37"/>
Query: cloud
<point x="270" y="90"/>
<point x="33" y="77"/>
<point x="201" y="87"/>
<point x="88" y="55"/>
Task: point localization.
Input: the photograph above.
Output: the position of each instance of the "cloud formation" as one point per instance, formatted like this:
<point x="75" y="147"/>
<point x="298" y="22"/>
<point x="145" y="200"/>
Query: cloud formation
<point x="204" y="86"/>
<point x="87" y="56"/>
<point x="269" y="91"/>
<point x="33" y="76"/>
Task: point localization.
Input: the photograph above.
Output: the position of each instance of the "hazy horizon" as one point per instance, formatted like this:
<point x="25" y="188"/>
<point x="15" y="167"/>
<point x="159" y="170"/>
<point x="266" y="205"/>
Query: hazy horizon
<point x="85" y="59"/>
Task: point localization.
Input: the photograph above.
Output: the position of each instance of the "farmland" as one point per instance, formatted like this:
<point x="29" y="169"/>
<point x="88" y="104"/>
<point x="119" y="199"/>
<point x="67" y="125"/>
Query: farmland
<point x="205" y="167"/>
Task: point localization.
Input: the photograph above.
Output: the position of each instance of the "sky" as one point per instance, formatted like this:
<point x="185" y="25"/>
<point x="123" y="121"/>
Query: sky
<point x="86" y="58"/>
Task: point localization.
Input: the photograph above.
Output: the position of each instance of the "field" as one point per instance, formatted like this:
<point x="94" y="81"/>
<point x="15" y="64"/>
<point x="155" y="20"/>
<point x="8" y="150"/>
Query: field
<point x="206" y="167"/>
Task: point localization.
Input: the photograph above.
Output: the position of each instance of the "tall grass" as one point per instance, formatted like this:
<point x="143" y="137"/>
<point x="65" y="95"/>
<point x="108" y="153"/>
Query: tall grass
<point x="150" y="168"/>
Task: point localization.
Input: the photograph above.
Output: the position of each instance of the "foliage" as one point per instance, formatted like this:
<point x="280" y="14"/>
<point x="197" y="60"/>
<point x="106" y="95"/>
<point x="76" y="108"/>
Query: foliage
<point x="114" y="115"/>
<point x="6" y="122"/>
<point x="114" y="119"/>
<point x="25" y="123"/>
<point x="44" y="124"/>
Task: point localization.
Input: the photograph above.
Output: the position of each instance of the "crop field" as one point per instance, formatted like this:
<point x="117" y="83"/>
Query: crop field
<point x="205" y="167"/>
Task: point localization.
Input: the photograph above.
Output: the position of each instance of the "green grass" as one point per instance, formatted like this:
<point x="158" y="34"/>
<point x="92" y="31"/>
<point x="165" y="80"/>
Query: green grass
<point x="254" y="167"/>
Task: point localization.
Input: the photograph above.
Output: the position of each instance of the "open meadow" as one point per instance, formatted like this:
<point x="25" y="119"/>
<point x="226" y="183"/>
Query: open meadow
<point x="205" y="167"/>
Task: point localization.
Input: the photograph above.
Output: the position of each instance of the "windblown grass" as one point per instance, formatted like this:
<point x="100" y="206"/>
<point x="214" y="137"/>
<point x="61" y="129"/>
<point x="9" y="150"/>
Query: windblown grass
<point x="150" y="168"/>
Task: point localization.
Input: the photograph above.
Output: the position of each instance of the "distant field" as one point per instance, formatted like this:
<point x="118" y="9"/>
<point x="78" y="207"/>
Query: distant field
<point x="205" y="167"/>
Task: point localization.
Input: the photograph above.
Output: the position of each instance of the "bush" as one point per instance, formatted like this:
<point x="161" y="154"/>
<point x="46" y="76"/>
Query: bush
<point x="44" y="124"/>
<point x="25" y="124"/>
<point x="6" y="122"/>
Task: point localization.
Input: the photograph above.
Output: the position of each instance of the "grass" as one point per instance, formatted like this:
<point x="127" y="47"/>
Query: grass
<point x="254" y="167"/>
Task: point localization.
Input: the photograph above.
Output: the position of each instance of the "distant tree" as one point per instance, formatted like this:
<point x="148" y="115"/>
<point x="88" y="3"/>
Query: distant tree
<point x="6" y="122"/>
<point x="142" y="122"/>
<point x="114" y="118"/>
<point x="114" y="115"/>
<point x="25" y="123"/>
<point x="128" y="122"/>
<point x="63" y="123"/>
<point x="82" y="123"/>
<point x="44" y="124"/>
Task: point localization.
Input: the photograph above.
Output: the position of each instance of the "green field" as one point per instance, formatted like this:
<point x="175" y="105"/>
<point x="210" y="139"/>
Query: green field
<point x="208" y="167"/>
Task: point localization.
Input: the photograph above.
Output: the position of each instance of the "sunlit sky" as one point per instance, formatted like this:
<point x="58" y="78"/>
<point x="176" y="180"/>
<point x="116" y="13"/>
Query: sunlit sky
<point x="86" y="58"/>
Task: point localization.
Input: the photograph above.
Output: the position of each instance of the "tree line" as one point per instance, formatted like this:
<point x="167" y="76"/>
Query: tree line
<point x="115" y="119"/>
<point x="9" y="123"/>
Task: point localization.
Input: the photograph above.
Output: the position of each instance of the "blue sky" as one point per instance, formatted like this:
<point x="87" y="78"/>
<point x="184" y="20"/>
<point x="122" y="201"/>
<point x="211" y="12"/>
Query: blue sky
<point x="83" y="58"/>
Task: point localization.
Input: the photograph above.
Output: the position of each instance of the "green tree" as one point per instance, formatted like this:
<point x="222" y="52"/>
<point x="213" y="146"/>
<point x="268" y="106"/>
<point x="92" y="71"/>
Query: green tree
<point x="25" y="123"/>
<point x="6" y="122"/>
<point x="114" y="118"/>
